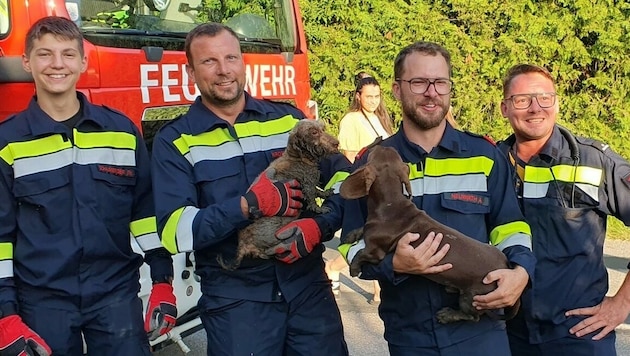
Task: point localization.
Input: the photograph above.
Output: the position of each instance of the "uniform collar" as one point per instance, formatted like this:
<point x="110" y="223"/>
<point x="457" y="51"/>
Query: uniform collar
<point x="41" y="123"/>
<point x="203" y="119"/>
<point x="451" y="142"/>
<point x="551" y="150"/>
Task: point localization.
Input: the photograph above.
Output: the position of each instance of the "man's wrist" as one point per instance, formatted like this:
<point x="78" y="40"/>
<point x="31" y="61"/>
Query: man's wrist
<point x="163" y="279"/>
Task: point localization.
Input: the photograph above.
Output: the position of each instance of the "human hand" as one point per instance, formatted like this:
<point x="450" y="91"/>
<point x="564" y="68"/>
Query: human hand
<point x="422" y="259"/>
<point x="605" y="316"/>
<point x="296" y="240"/>
<point x="17" y="339"/>
<point x="273" y="198"/>
<point x="510" y="286"/>
<point x="161" y="311"/>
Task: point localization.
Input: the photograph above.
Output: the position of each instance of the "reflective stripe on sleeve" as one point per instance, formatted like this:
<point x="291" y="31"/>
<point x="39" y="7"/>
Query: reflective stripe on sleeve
<point x="349" y="251"/>
<point x="177" y="235"/>
<point x="6" y="260"/>
<point x="518" y="239"/>
<point x="335" y="181"/>
<point x="145" y="233"/>
<point x="501" y="233"/>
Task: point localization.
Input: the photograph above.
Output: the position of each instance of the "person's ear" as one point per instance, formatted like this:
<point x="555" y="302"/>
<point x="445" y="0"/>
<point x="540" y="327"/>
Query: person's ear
<point x="396" y="90"/>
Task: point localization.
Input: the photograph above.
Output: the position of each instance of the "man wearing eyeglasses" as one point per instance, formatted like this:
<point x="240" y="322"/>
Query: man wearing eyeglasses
<point x="567" y="186"/>
<point x="463" y="181"/>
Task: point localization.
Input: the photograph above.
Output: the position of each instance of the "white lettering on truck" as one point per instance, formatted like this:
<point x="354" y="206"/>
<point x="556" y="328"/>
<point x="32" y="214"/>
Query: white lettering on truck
<point x="263" y="80"/>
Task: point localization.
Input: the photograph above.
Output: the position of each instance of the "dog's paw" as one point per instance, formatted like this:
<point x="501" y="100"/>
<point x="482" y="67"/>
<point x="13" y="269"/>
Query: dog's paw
<point x="450" y="315"/>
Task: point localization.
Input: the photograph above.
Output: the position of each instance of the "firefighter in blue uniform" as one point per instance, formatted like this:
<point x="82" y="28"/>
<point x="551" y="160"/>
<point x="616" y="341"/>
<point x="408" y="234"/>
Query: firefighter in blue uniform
<point x="463" y="181"/>
<point x="74" y="184"/>
<point x="203" y="164"/>
<point x="567" y="186"/>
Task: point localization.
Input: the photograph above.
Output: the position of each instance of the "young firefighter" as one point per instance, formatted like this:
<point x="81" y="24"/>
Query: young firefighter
<point x="74" y="183"/>
<point x="567" y="186"/>
<point x="463" y="181"/>
<point x="203" y="164"/>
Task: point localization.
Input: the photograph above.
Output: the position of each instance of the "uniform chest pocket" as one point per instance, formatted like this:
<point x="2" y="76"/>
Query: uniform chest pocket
<point x="466" y="212"/>
<point x="41" y="189"/>
<point x="217" y="181"/>
<point x="113" y="188"/>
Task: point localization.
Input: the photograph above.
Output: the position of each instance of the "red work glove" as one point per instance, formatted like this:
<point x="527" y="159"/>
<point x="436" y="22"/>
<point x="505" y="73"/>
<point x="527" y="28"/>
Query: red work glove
<point x="273" y="198"/>
<point x="161" y="311"/>
<point x="17" y="339"/>
<point x="297" y="240"/>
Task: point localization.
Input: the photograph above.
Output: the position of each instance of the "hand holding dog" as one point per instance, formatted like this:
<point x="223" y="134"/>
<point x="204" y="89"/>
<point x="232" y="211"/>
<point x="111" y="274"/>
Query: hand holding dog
<point x="607" y="315"/>
<point x="422" y="259"/>
<point x="511" y="283"/>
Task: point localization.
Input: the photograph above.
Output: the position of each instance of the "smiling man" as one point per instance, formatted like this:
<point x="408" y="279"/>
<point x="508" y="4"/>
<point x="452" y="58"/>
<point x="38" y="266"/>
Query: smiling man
<point x="567" y="186"/>
<point x="75" y="182"/>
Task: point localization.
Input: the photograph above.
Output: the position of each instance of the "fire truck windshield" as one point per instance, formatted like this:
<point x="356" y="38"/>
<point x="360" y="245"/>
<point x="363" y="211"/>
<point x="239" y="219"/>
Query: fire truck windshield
<point x="264" y="26"/>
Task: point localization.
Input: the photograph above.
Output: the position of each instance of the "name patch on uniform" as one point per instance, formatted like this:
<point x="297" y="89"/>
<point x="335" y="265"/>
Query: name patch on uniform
<point x="117" y="171"/>
<point x="468" y="198"/>
<point x="276" y="154"/>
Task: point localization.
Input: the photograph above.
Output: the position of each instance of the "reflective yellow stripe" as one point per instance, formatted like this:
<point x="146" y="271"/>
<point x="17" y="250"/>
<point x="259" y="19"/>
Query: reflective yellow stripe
<point x="104" y="139"/>
<point x="169" y="234"/>
<point x="563" y="173"/>
<point x="213" y="138"/>
<point x="265" y="128"/>
<point x="414" y="173"/>
<point x="502" y="232"/>
<point x="343" y="250"/>
<point x="336" y="179"/>
<point x="33" y="148"/>
<point x="143" y="226"/>
<point x="457" y="166"/>
<point x="6" y="251"/>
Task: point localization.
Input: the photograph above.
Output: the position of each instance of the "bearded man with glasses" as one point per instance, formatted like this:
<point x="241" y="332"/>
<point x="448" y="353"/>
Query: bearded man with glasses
<point x="567" y="186"/>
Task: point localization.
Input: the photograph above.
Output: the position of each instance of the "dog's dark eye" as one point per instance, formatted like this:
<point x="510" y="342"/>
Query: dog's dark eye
<point x="313" y="131"/>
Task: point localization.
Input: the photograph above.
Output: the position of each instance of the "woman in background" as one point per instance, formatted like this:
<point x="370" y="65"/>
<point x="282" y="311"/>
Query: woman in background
<point x="366" y="120"/>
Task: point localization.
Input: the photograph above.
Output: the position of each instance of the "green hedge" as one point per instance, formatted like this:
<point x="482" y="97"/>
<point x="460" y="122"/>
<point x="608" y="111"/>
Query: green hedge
<point x="585" y="44"/>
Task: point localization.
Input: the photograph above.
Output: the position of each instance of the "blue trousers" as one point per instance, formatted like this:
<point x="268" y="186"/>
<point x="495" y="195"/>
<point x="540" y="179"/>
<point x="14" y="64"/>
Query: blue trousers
<point x="310" y="324"/>
<point x="493" y="343"/>
<point x="117" y="329"/>
<point x="566" y="346"/>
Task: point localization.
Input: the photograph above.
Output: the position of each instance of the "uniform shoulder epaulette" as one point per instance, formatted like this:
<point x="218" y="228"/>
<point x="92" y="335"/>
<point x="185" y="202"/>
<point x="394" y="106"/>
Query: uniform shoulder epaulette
<point x="599" y="145"/>
<point x="365" y="149"/>
<point x="12" y="117"/>
<point x="485" y="137"/>
<point x="115" y="111"/>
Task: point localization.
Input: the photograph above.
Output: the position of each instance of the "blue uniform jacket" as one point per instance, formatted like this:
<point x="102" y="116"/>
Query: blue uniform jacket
<point x="409" y="302"/>
<point x="566" y="208"/>
<point x="202" y="166"/>
<point x="70" y="199"/>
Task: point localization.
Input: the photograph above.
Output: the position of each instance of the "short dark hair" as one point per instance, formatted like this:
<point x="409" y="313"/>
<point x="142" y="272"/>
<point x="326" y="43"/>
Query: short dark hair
<point x="524" y="68"/>
<point x="429" y="48"/>
<point x="210" y="29"/>
<point x="60" y="27"/>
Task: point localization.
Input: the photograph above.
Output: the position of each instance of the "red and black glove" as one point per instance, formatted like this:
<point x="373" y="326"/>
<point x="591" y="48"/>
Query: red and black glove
<point x="17" y="339"/>
<point x="297" y="240"/>
<point x="161" y="311"/>
<point x="273" y="198"/>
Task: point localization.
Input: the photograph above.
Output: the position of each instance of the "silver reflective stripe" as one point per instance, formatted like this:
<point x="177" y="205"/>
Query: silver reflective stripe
<point x="354" y="249"/>
<point x="31" y="165"/>
<point x="534" y="191"/>
<point x="149" y="242"/>
<point x="113" y="156"/>
<point x="258" y="144"/>
<point x="474" y="182"/>
<point x="215" y="153"/>
<point x="590" y="190"/>
<point x="6" y="269"/>
<point x="518" y="239"/>
<point x="336" y="187"/>
<point x="184" y="234"/>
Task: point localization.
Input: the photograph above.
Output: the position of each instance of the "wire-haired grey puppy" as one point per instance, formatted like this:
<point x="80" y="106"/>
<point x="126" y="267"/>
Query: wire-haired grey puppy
<point x="308" y="144"/>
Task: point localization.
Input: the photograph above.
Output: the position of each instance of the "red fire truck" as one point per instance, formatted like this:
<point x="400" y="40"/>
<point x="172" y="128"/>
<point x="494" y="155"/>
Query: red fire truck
<point x="136" y="64"/>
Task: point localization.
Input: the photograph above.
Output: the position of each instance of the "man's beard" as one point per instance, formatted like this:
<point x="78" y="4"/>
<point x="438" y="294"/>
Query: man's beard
<point x="224" y="99"/>
<point x="424" y="122"/>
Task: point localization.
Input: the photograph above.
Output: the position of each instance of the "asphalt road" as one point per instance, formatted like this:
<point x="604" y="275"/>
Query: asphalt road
<point x="364" y="329"/>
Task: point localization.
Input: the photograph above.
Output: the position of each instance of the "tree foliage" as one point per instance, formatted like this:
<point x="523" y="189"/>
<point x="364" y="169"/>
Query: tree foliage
<point x="585" y="44"/>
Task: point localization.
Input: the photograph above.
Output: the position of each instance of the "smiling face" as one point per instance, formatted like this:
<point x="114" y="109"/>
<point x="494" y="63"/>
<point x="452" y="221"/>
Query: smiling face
<point x="427" y="110"/>
<point x="218" y="69"/>
<point x="369" y="97"/>
<point x="533" y="124"/>
<point x="56" y="65"/>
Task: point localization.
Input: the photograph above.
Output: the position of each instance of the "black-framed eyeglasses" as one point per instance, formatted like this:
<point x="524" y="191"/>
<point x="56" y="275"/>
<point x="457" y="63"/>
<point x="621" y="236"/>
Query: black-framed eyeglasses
<point x="442" y="86"/>
<point x="524" y="101"/>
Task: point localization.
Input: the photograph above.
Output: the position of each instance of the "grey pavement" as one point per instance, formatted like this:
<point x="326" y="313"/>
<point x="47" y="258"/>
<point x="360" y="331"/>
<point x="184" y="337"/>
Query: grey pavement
<point x="364" y="329"/>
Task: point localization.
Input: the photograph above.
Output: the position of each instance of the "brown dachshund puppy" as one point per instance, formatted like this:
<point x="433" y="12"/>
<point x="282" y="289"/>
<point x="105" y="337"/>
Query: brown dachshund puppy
<point x="391" y="215"/>
<point x="308" y="144"/>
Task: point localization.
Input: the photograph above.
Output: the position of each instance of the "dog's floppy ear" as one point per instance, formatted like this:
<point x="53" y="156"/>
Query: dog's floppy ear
<point x="403" y="175"/>
<point x="358" y="184"/>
